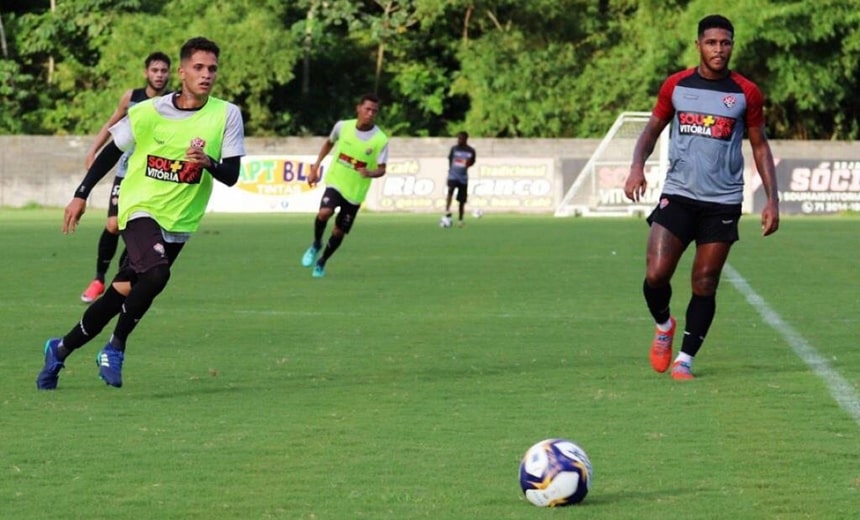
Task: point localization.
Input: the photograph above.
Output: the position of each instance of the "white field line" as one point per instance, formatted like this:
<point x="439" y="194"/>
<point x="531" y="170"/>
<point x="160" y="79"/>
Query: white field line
<point x="841" y="390"/>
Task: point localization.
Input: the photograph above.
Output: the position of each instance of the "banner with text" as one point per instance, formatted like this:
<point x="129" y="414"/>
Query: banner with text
<point x="504" y="185"/>
<point x="270" y="183"/>
<point x="815" y="187"/>
<point x="278" y="183"/>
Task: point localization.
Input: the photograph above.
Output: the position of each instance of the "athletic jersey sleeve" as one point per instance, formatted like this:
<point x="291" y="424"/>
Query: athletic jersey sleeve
<point x="755" y="105"/>
<point x="664" y="109"/>
<point x="123" y="137"/>
<point x="383" y="155"/>
<point x="335" y="132"/>
<point x="233" y="144"/>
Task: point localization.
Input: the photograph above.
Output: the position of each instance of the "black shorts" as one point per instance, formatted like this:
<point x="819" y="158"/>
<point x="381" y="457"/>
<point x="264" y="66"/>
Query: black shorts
<point x="146" y="249"/>
<point x="690" y="220"/>
<point x="461" y="187"/>
<point x="113" y="206"/>
<point x="348" y="211"/>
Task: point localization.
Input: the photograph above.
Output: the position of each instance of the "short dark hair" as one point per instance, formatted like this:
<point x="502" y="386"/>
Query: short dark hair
<point x="156" y="56"/>
<point x="198" y="43"/>
<point x="370" y="96"/>
<point x="463" y="134"/>
<point x="715" y="21"/>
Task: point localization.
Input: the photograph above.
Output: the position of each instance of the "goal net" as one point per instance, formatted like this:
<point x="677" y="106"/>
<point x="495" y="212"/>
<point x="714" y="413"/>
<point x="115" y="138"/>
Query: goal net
<point x="598" y="190"/>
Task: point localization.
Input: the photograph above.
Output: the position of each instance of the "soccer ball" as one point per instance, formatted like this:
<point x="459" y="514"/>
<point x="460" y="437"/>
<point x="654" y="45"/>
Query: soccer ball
<point x="555" y="472"/>
<point x="477" y="213"/>
<point x="445" y="221"/>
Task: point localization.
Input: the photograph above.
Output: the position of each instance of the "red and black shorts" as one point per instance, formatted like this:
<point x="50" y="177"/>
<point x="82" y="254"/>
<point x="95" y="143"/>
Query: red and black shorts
<point x="690" y="220"/>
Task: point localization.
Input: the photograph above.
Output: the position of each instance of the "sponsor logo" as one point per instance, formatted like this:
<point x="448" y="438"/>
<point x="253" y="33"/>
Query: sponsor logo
<point x="664" y="202"/>
<point x="173" y="170"/>
<point x="275" y="176"/>
<point x="727" y="221"/>
<point x="350" y="161"/>
<point x="706" y="125"/>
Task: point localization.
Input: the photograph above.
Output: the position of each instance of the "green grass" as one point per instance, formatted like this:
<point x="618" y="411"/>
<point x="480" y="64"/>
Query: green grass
<point x="409" y="381"/>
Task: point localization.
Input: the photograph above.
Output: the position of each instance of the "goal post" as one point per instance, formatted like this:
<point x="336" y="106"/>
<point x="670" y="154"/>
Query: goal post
<point x="598" y="190"/>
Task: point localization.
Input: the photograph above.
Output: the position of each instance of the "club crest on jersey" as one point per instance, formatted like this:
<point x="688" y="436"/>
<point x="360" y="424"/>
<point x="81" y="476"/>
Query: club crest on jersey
<point x="729" y="101"/>
<point x="664" y="202"/>
<point x="198" y="143"/>
<point x="173" y="170"/>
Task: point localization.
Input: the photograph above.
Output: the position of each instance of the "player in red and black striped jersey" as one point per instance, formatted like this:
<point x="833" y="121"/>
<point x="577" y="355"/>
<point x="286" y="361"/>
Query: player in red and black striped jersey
<point x="710" y="107"/>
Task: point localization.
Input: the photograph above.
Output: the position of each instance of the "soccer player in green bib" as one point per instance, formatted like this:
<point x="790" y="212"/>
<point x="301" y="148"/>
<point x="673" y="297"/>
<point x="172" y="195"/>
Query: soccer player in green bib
<point x="360" y="153"/>
<point x="181" y="141"/>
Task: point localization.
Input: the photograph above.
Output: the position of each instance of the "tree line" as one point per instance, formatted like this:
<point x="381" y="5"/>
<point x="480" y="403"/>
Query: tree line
<point x="495" y="68"/>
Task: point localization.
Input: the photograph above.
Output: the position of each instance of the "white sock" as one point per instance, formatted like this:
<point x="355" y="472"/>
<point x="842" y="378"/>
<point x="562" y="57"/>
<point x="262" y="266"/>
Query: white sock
<point x="687" y="359"/>
<point x="665" y="327"/>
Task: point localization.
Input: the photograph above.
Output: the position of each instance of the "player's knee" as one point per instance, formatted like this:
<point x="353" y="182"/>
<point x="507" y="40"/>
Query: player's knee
<point x="657" y="277"/>
<point x="705" y="285"/>
<point x="156" y="278"/>
<point x="112" y="226"/>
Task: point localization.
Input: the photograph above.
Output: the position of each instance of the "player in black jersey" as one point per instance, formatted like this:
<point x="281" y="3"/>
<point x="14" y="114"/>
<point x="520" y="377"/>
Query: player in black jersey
<point x="710" y="107"/>
<point x="157" y="71"/>
<point x="460" y="159"/>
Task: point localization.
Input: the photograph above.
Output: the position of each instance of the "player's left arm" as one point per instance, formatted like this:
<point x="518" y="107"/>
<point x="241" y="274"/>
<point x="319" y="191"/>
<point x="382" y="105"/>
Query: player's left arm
<point x="381" y="160"/>
<point x="766" y="167"/>
<point x="226" y="170"/>
<point x="762" y="155"/>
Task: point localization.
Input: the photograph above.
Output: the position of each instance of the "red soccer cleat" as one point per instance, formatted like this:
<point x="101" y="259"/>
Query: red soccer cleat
<point x="95" y="289"/>
<point x="661" y="348"/>
<point x="682" y="372"/>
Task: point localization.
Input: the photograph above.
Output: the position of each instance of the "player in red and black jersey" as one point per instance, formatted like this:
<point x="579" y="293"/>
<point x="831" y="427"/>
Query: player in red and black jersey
<point x="710" y="107"/>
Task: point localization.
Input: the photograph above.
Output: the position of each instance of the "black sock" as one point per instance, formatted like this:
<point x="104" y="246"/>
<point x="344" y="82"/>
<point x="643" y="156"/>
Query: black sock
<point x="700" y="315"/>
<point x="107" y="248"/>
<point x="332" y="245"/>
<point x="658" y="299"/>
<point x="94" y="320"/>
<point x="148" y="286"/>
<point x="319" y="229"/>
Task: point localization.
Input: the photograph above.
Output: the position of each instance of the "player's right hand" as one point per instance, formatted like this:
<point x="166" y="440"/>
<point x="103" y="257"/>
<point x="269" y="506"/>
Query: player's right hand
<point x="313" y="176"/>
<point x="73" y="213"/>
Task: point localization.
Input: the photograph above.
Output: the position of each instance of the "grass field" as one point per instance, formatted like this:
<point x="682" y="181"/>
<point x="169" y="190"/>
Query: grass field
<point x="409" y="381"/>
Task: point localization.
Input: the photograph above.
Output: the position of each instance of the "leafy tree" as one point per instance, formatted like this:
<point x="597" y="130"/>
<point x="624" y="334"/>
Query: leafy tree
<point x="543" y="68"/>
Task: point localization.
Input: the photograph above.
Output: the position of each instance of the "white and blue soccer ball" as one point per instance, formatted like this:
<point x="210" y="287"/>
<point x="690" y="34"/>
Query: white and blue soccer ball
<point x="445" y="221"/>
<point x="555" y="472"/>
